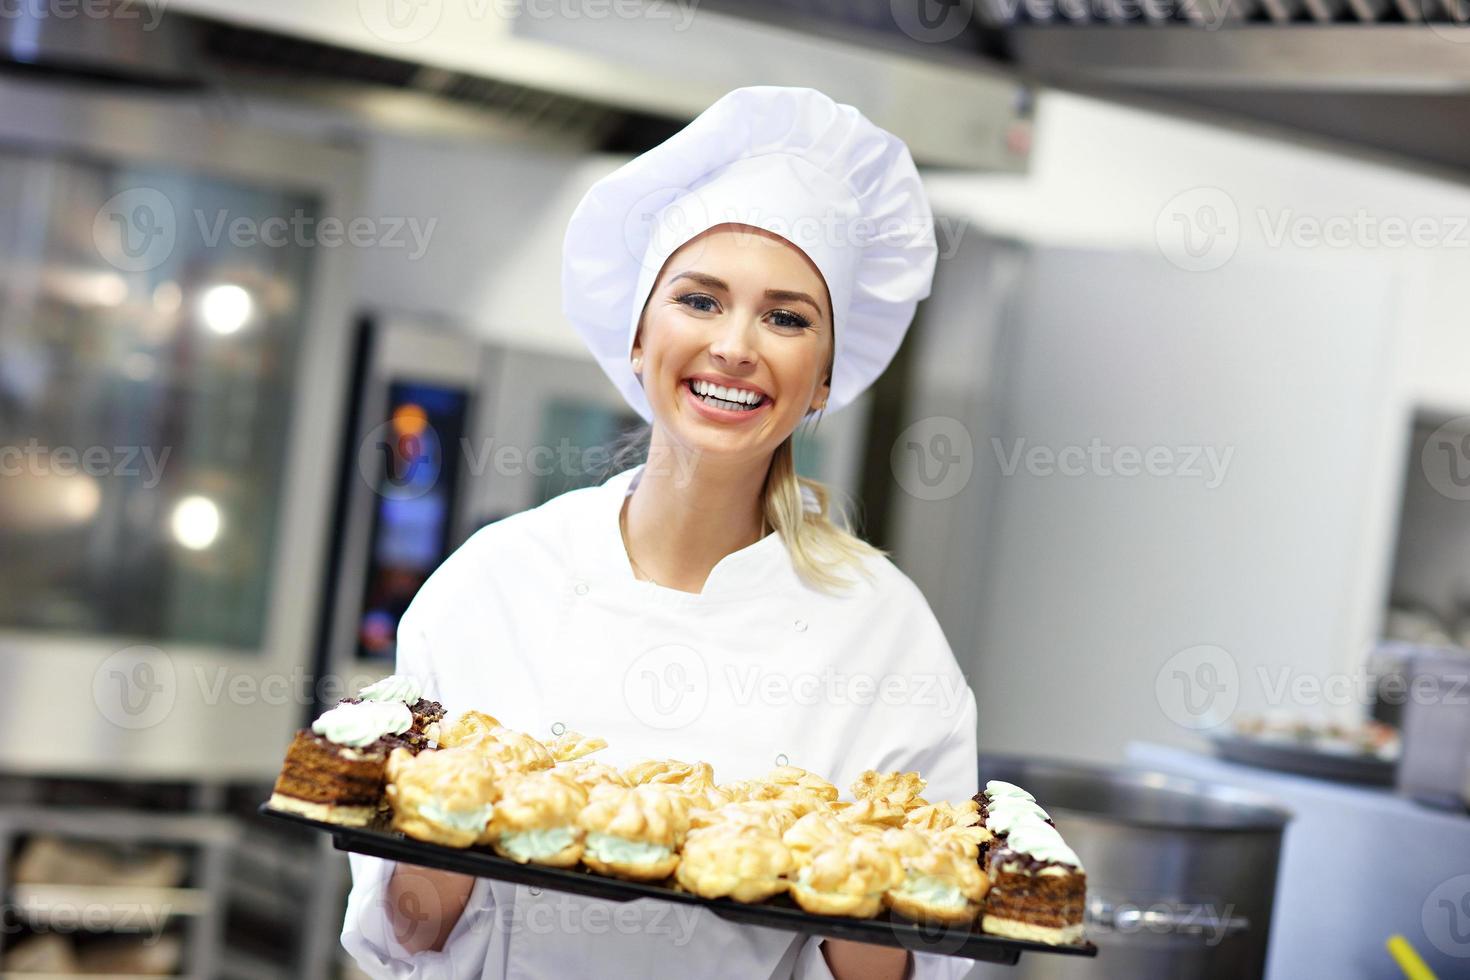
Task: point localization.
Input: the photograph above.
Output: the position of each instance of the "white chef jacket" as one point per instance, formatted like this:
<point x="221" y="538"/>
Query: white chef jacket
<point x="539" y="620"/>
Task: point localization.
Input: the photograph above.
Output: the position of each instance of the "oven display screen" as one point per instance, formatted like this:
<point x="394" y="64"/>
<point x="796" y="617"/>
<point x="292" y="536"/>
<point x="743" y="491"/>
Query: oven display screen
<point x="413" y="460"/>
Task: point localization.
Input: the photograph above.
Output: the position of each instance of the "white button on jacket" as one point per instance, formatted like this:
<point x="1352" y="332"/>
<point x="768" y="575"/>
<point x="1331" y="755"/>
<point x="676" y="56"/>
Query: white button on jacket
<point x="539" y="621"/>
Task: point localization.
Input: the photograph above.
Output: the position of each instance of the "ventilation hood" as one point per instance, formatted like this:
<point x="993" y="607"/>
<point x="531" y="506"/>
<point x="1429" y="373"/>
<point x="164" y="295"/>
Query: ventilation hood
<point x="624" y="75"/>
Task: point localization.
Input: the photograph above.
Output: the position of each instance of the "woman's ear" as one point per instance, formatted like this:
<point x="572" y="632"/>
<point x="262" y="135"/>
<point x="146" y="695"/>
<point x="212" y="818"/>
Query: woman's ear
<point x="820" y="396"/>
<point x="636" y="355"/>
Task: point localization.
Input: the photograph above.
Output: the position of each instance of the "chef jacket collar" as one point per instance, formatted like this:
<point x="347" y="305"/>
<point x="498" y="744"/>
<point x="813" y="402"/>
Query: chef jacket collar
<point x="756" y="569"/>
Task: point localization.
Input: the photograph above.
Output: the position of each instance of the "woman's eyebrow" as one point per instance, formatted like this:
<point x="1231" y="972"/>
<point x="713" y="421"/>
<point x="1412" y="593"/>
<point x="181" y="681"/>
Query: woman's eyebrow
<point x="704" y="279"/>
<point x="792" y="296"/>
<point x="715" y="282"/>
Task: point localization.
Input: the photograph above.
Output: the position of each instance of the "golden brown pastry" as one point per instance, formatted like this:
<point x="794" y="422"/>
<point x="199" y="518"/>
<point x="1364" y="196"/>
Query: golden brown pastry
<point x="508" y="750"/>
<point x="776" y="816"/>
<point x="794" y="781"/>
<point x="942" y="816"/>
<point x="813" y="832"/>
<point x="535" y="820"/>
<point x="590" y="774"/>
<point x="940" y="883"/>
<point x="633" y="832"/>
<point x="874" y="811"/>
<point x="750" y="789"/>
<point x="903" y="788"/>
<point x="746" y="863"/>
<point x="445" y="797"/>
<point x="569" y="746"/>
<point x="693" y="778"/>
<point x="846" y="876"/>
<point x="464" y="727"/>
<point x="956" y="825"/>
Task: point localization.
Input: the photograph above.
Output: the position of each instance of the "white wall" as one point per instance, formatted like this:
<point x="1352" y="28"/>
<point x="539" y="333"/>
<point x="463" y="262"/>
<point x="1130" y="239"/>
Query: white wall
<point x="1306" y="357"/>
<point x="493" y="264"/>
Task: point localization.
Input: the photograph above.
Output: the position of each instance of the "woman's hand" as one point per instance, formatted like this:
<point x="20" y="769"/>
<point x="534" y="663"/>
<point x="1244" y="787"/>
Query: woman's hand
<point x="424" y="905"/>
<point x="863" y="961"/>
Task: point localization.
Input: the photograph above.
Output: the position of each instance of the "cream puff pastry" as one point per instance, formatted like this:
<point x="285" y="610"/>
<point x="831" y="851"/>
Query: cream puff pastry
<point x="569" y="746"/>
<point x="793" y="781"/>
<point x="775" y="816"/>
<point x="903" y="788"/>
<point x="846" y="876"/>
<point x="814" y="832"/>
<point x="745" y="863"/>
<point x="589" y="774"/>
<point x="535" y="820"/>
<point x="507" y="750"/>
<point x="693" y="778"/>
<point x="464" y="727"/>
<point x="873" y="812"/>
<point x="940" y="885"/>
<point x="444" y="797"/>
<point x="633" y="832"/>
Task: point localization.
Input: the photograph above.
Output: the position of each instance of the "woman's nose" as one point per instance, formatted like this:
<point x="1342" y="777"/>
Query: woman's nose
<point x="733" y="345"/>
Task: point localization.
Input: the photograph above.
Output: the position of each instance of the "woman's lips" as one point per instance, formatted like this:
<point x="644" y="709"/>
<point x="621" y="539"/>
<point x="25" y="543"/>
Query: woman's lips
<point x="723" y="415"/>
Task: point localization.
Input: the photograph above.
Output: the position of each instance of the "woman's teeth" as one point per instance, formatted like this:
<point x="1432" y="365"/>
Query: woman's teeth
<point x="730" y="399"/>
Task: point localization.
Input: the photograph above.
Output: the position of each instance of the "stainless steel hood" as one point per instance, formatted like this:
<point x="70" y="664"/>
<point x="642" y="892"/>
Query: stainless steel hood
<point x="114" y="41"/>
<point x="661" y="61"/>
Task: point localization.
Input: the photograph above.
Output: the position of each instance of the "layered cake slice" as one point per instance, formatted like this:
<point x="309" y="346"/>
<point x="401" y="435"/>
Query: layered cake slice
<point x="1038" y="887"/>
<point x="1001" y="806"/>
<point x="424" y="733"/>
<point x="334" y="770"/>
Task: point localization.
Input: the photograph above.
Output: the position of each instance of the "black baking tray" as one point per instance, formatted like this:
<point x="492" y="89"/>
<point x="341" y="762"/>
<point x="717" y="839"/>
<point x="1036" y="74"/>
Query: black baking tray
<point x="776" y="913"/>
<point x="1305" y="760"/>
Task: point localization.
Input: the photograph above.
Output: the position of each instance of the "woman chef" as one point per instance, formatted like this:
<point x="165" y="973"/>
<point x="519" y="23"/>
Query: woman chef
<point x="759" y="266"/>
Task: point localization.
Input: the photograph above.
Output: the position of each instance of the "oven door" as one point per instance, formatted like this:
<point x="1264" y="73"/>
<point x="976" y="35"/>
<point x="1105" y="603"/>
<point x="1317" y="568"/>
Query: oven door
<point x="173" y="329"/>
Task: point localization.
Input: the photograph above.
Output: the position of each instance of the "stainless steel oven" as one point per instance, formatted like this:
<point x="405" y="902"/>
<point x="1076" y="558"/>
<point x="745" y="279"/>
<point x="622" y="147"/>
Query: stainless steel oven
<point x="173" y="338"/>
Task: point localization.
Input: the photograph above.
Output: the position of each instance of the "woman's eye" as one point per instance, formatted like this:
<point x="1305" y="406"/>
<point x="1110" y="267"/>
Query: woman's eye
<point x="786" y="318"/>
<point x="697" y="300"/>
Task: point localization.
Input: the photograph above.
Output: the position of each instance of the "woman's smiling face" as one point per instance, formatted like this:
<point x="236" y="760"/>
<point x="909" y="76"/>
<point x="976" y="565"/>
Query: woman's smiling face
<point x="735" y="343"/>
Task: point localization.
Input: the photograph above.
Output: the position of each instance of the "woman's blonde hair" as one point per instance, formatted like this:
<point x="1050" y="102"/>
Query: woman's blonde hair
<point x="818" y="537"/>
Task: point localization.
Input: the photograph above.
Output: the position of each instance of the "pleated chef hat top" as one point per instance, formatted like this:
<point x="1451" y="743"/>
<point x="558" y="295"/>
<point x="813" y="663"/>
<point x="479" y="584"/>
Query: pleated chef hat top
<point x="792" y="162"/>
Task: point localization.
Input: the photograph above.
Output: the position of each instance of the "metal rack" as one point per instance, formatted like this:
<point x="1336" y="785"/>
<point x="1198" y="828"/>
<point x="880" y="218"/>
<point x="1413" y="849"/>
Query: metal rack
<point x="210" y="840"/>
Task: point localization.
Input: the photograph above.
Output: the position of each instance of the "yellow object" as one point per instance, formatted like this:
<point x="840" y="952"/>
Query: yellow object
<point x="1408" y="960"/>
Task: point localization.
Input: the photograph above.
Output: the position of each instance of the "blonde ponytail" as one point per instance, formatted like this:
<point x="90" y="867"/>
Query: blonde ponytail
<point x="822" y="546"/>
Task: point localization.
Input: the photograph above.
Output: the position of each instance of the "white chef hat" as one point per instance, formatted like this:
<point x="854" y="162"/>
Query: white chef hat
<point x="787" y="160"/>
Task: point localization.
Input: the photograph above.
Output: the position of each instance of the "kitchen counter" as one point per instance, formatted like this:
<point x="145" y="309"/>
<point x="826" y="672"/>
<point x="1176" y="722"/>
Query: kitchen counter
<point x="1358" y="864"/>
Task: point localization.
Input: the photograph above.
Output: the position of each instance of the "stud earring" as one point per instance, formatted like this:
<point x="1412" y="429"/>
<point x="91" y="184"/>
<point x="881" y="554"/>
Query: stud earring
<point x="637" y="364"/>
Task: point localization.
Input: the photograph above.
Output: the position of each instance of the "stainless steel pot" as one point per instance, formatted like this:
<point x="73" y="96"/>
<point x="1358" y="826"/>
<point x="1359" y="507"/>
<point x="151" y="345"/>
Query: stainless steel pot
<point x="1181" y="875"/>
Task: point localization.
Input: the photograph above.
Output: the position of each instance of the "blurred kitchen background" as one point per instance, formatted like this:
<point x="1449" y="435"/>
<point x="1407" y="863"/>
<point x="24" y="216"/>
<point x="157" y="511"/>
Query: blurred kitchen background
<point x="1178" y="449"/>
